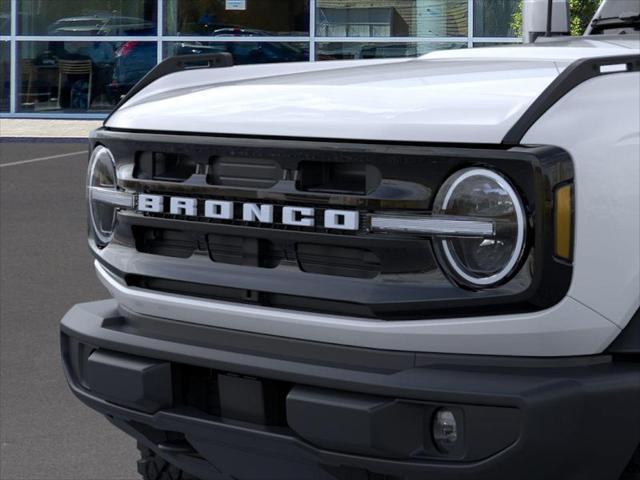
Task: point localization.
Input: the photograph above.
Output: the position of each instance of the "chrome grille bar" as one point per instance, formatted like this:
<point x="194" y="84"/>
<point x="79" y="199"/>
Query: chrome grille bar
<point x="446" y="226"/>
<point x="112" y="197"/>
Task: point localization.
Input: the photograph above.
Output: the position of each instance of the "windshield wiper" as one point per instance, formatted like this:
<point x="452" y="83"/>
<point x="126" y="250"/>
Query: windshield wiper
<point x="625" y="20"/>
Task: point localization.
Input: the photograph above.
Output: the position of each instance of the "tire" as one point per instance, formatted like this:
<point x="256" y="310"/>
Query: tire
<point x="632" y="472"/>
<point x="153" y="467"/>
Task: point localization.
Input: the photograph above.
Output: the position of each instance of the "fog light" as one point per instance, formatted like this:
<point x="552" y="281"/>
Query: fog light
<point x="445" y="430"/>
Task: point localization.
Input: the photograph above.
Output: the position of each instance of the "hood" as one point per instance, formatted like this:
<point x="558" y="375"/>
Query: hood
<point x="470" y="96"/>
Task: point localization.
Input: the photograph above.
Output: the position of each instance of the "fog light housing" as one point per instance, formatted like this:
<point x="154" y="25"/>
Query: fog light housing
<point x="445" y="430"/>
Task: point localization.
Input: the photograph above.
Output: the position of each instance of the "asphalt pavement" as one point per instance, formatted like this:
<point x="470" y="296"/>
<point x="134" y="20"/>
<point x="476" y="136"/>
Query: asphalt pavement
<point x="45" y="268"/>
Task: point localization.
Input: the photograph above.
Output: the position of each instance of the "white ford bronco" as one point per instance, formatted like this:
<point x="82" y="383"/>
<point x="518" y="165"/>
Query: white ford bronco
<point x="389" y="269"/>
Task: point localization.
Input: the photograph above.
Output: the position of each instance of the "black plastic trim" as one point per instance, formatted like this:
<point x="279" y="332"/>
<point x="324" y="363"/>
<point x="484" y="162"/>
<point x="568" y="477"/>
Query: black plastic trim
<point x="175" y="64"/>
<point x="598" y="25"/>
<point x="101" y="324"/>
<point x="628" y="342"/>
<point x="317" y="353"/>
<point x="566" y="409"/>
<point x="578" y="72"/>
<point x="304" y="351"/>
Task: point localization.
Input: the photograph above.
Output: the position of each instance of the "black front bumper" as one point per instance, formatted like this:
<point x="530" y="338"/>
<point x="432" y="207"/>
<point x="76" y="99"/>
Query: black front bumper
<point x="222" y="403"/>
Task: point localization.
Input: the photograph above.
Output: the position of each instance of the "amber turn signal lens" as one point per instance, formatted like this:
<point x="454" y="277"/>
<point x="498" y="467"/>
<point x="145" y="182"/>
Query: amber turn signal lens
<point x="564" y="222"/>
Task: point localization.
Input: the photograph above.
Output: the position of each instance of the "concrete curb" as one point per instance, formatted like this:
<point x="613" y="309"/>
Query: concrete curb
<point x="62" y="140"/>
<point x="46" y="129"/>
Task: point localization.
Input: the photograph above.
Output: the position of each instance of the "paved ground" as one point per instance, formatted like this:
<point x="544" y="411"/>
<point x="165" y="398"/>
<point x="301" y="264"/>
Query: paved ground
<point x="45" y="267"/>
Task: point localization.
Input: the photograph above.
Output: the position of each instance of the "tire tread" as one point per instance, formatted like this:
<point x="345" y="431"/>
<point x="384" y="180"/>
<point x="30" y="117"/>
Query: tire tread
<point x="153" y="467"/>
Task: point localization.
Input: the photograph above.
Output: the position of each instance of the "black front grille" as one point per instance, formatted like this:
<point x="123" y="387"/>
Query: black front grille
<point x="390" y="276"/>
<point x="358" y="257"/>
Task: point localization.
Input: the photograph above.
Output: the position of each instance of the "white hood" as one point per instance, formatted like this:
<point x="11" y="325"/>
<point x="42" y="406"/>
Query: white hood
<point x="471" y="96"/>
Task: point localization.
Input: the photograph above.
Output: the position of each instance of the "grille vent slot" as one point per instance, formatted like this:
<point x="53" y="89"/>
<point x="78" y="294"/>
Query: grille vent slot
<point x="170" y="167"/>
<point x="244" y="172"/>
<point x="335" y="177"/>
<point x="170" y="243"/>
<point x="228" y="171"/>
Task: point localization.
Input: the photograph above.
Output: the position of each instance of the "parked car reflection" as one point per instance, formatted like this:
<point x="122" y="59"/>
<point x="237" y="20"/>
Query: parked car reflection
<point x="80" y="75"/>
<point x="101" y="24"/>
<point x="248" y="52"/>
<point x="132" y="61"/>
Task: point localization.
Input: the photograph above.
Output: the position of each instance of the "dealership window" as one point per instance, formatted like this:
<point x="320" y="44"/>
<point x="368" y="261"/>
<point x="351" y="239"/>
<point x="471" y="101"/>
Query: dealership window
<point x="87" y="17"/>
<point x="495" y="18"/>
<point x="5" y="17"/>
<point x="79" y="57"/>
<point x="5" y="69"/>
<point x="392" y="18"/>
<point x="79" y="76"/>
<point x="250" y="17"/>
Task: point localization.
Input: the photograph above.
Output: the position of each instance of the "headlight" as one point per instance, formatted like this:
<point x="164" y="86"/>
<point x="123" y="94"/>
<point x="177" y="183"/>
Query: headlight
<point x="101" y="189"/>
<point x="481" y="261"/>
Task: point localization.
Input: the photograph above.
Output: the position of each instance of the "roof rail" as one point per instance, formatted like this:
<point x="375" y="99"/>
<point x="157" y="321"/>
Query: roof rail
<point x="175" y="64"/>
<point x="576" y="73"/>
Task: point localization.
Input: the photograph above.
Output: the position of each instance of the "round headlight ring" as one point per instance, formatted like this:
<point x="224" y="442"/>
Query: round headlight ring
<point x="101" y="174"/>
<point x="444" y="249"/>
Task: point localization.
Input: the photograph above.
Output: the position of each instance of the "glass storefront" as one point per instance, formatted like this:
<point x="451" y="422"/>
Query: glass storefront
<point x="250" y="18"/>
<point x="5" y="70"/>
<point x="5" y="17"/>
<point x="87" y="17"/>
<point x="494" y="18"/>
<point x="392" y="18"/>
<point x="77" y="76"/>
<point x="77" y="58"/>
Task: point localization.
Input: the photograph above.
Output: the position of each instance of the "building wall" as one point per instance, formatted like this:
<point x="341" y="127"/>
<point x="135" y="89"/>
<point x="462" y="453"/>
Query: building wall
<point x="77" y="58"/>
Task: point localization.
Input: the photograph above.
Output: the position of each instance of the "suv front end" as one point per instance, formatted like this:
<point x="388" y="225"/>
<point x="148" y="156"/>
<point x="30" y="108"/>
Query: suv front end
<point x="388" y="303"/>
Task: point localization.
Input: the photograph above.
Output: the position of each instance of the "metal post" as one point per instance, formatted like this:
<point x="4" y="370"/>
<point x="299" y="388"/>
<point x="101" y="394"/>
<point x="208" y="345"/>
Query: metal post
<point x="159" y="30"/>
<point x="470" y="28"/>
<point x="312" y="30"/>
<point x="13" y="70"/>
<point x="549" y="17"/>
